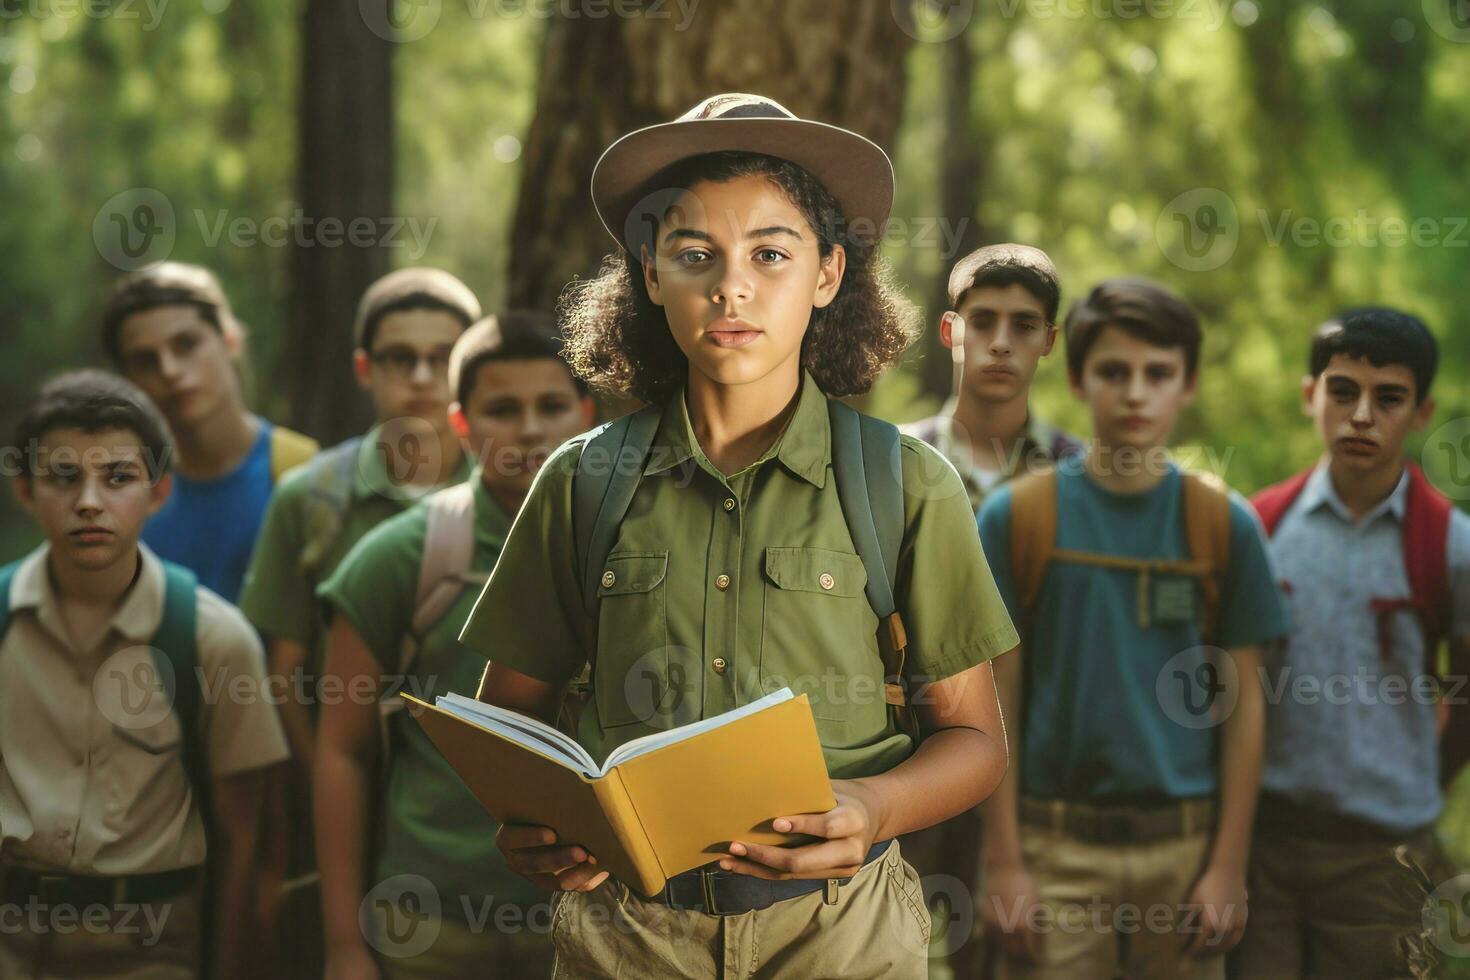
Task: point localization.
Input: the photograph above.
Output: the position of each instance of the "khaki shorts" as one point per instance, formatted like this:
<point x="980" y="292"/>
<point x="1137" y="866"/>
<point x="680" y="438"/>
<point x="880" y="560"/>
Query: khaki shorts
<point x="878" y="928"/>
<point x="1111" y="908"/>
<point x="128" y="941"/>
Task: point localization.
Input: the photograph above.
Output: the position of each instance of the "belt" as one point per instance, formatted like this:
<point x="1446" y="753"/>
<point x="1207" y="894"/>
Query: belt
<point x="21" y="886"/>
<point x="1278" y="813"/>
<point x="1112" y="824"/>
<point x="714" y="891"/>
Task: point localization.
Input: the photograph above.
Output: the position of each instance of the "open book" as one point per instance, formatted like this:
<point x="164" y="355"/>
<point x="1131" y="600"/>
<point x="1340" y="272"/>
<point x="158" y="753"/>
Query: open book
<point x="659" y="805"/>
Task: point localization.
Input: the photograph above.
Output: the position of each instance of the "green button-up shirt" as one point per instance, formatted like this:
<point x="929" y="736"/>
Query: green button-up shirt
<point x="720" y="589"/>
<point x="428" y="823"/>
<point x="279" y="595"/>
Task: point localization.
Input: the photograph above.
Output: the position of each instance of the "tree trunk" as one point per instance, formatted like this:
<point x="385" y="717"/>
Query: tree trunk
<point x="842" y="64"/>
<point x="345" y="171"/>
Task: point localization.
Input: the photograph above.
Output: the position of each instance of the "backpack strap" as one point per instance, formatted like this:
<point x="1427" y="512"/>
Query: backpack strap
<point x="289" y="450"/>
<point x="7" y="579"/>
<point x="1206" y="508"/>
<point x="1207" y="532"/>
<point x="333" y="474"/>
<point x="444" y="568"/>
<point x="868" y="469"/>
<point x="607" y="476"/>
<point x="1033" y="534"/>
<point x="1273" y="502"/>
<point x="176" y="652"/>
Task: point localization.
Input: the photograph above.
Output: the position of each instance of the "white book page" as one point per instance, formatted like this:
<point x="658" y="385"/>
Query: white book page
<point x="651" y="743"/>
<point x="528" y="731"/>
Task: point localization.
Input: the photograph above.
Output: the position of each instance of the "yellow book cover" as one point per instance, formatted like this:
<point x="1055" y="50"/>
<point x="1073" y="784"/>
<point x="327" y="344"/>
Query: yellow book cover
<point x="658" y="805"/>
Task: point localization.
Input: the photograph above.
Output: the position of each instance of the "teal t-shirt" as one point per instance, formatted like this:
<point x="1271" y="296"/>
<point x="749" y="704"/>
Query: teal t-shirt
<point x="429" y="823"/>
<point x="1113" y="707"/>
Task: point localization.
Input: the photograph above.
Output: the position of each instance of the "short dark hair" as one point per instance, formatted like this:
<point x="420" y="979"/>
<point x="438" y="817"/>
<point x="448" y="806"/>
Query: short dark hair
<point x="619" y="340"/>
<point x="1004" y="265"/>
<point x="95" y="401"/>
<point x="1140" y="307"/>
<point x="1382" y="336"/>
<point x="164" y="284"/>
<point x="517" y="335"/>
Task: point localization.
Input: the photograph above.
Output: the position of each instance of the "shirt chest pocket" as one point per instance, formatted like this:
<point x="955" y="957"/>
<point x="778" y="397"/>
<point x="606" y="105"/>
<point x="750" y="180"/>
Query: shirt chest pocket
<point x="632" y="674"/>
<point x="819" y="638"/>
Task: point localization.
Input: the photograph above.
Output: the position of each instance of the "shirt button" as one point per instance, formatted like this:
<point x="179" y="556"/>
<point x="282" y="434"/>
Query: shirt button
<point x="826" y="580"/>
<point x="609" y="580"/>
<point x="729" y="503"/>
<point x="718" y="664"/>
<point x="722" y="582"/>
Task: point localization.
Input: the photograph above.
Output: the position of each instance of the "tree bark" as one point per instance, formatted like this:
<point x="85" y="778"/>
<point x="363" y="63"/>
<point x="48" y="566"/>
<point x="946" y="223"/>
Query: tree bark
<point x="599" y="79"/>
<point x="345" y="171"/>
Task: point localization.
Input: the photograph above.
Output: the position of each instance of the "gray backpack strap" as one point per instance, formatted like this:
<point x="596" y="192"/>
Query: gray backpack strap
<point x="608" y="473"/>
<point x="867" y="465"/>
<point x="333" y="473"/>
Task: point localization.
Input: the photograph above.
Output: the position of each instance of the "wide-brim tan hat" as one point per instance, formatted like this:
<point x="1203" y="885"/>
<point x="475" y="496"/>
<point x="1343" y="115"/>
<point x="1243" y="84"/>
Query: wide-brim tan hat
<point x="852" y="168"/>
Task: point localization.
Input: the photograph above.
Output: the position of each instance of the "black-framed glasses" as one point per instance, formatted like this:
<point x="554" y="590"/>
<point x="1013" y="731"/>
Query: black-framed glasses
<point x="402" y="362"/>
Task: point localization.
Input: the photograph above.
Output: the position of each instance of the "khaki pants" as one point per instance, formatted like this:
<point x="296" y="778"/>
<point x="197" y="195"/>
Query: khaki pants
<point x="1321" y="908"/>
<point x="126" y="941"/>
<point x="512" y="948"/>
<point x="1111" y="909"/>
<point x="878" y="928"/>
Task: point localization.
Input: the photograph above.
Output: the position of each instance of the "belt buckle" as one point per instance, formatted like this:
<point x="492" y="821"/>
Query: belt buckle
<point x="707" y="890"/>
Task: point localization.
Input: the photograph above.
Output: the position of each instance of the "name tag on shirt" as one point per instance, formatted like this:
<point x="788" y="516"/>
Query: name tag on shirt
<point x="1174" y="600"/>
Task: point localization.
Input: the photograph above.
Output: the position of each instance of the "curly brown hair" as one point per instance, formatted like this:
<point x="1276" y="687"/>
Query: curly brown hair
<point x="619" y="340"/>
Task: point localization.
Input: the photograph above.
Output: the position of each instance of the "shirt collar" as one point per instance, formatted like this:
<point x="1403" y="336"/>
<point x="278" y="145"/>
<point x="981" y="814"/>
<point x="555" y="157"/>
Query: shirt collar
<point x="137" y="618"/>
<point x="370" y="476"/>
<point x="1319" y="491"/>
<point x="1038" y="436"/>
<point x="804" y="446"/>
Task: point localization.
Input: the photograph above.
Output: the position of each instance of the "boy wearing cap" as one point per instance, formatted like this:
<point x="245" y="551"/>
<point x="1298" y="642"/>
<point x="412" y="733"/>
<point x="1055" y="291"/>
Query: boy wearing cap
<point x="1118" y="842"/>
<point x="741" y="302"/>
<point x="406" y="326"/>
<point x="1376" y="564"/>
<point x="132" y="717"/>
<point x="170" y="330"/>
<point x="1001" y="322"/>
<point x="516" y="401"/>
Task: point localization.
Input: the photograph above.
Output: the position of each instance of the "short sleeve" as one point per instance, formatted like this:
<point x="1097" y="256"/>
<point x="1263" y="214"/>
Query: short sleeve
<point x="529" y="616"/>
<point x="952" y="612"/>
<point x="994" y="521"/>
<point x="374" y="586"/>
<point x="1458" y="548"/>
<point x="241" y="728"/>
<point x="277" y="595"/>
<point x="1252" y="611"/>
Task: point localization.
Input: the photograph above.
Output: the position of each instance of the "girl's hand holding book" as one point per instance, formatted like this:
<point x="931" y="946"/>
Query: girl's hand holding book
<point x="846" y="833"/>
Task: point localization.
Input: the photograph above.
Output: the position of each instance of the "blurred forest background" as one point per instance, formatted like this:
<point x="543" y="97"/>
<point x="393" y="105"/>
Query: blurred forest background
<point x="1273" y="161"/>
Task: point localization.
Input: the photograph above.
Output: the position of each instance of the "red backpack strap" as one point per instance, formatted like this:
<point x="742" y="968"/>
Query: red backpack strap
<point x="1273" y="502"/>
<point x="1426" y="545"/>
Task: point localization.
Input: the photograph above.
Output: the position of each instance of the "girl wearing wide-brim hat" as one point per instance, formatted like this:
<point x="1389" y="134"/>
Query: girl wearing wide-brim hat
<point x="745" y="294"/>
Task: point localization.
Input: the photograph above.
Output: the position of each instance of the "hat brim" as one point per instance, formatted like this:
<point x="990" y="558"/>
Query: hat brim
<point x="852" y="168"/>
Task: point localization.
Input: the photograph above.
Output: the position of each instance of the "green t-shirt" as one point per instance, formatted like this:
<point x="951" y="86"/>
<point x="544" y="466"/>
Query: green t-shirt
<point x="429" y="823"/>
<point x="721" y="589"/>
<point x="279" y="595"/>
